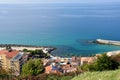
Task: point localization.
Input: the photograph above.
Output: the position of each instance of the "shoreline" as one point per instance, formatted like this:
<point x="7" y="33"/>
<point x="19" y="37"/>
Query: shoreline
<point x="24" y="45"/>
<point x="46" y="49"/>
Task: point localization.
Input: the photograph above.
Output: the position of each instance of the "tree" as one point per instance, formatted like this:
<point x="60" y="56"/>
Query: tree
<point x="25" y="50"/>
<point x="116" y="58"/>
<point x="32" y="67"/>
<point x="103" y="62"/>
<point x="106" y="63"/>
<point x="37" y="53"/>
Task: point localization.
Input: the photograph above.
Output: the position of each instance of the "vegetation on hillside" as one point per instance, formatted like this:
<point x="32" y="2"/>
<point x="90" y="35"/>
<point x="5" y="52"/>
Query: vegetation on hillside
<point x="102" y="63"/>
<point x="34" y="70"/>
<point x="37" y="53"/>
<point x="104" y="75"/>
<point x="57" y="76"/>
<point x="32" y="67"/>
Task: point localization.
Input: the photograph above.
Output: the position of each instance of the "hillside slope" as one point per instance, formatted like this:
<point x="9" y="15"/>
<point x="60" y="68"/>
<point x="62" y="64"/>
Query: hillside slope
<point x="105" y="75"/>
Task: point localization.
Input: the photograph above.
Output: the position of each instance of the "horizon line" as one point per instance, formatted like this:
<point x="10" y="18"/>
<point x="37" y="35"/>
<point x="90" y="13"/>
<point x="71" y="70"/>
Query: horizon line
<point x="59" y="3"/>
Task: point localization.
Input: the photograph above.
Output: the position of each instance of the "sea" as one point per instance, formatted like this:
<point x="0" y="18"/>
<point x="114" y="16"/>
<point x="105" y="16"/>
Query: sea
<point x="70" y="27"/>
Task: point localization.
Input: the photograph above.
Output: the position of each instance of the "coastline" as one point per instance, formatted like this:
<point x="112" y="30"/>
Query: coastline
<point x="46" y="49"/>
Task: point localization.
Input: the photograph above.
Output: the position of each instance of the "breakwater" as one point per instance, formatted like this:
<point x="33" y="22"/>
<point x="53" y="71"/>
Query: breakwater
<point x="109" y="42"/>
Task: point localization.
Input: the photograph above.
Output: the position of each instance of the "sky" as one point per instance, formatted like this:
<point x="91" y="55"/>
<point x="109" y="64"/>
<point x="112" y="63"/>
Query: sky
<point x="59" y="1"/>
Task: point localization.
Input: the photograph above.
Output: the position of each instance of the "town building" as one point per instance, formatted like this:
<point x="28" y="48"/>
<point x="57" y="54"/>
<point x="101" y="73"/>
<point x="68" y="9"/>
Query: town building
<point x="87" y="60"/>
<point x="12" y="60"/>
<point x="52" y="69"/>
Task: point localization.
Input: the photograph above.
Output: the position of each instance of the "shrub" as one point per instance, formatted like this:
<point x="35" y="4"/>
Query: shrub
<point x="32" y="67"/>
<point x="106" y="63"/>
<point x="103" y="63"/>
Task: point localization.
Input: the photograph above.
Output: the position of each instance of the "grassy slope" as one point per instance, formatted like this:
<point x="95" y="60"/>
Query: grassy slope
<point x="105" y="75"/>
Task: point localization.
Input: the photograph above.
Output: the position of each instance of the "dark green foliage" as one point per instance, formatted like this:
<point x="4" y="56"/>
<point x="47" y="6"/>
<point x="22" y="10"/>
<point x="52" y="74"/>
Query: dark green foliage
<point x="103" y="63"/>
<point x="32" y="67"/>
<point x="25" y="50"/>
<point x="66" y="78"/>
<point x="44" y="76"/>
<point x="89" y="67"/>
<point x="37" y="53"/>
<point x="106" y="63"/>
<point x="93" y="67"/>
<point x="58" y="77"/>
<point x="53" y="77"/>
<point x="85" y="67"/>
<point x="116" y="58"/>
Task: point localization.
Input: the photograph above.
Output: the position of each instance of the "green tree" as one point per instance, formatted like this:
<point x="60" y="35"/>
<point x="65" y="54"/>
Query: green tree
<point x="38" y="53"/>
<point x="106" y="63"/>
<point x="25" y="50"/>
<point x="103" y="63"/>
<point x="32" y="67"/>
<point x="116" y="58"/>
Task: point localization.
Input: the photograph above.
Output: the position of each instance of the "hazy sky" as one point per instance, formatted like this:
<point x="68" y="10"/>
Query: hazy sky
<point x="58" y="1"/>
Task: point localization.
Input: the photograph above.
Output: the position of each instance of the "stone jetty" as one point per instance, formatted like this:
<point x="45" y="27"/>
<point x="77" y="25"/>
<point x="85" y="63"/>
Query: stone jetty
<point x="109" y="42"/>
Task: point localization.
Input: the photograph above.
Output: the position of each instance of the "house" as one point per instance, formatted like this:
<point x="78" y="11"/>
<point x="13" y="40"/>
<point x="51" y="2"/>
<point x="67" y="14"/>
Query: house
<point x="69" y="68"/>
<point x="46" y="62"/>
<point x="87" y="60"/>
<point x="52" y="69"/>
<point x="75" y="61"/>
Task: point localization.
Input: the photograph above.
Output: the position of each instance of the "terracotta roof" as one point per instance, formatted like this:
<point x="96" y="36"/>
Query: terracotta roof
<point x="48" y="68"/>
<point x="9" y="54"/>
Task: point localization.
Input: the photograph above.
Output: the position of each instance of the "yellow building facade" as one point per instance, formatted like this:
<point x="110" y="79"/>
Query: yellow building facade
<point x="12" y="60"/>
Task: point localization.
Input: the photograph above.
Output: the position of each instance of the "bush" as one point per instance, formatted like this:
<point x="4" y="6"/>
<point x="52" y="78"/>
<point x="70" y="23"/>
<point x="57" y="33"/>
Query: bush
<point x="66" y="78"/>
<point x="37" y="53"/>
<point x="45" y="76"/>
<point x="106" y="63"/>
<point x="103" y="63"/>
<point x="93" y="67"/>
<point x="85" y="67"/>
<point x="32" y="67"/>
<point x="116" y="58"/>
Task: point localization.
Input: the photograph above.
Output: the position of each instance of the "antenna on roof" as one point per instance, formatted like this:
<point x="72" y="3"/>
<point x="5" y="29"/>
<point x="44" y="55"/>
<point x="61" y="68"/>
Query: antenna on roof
<point x="8" y="47"/>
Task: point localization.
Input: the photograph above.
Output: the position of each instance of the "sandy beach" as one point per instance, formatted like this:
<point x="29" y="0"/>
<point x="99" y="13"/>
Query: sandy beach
<point x="45" y="49"/>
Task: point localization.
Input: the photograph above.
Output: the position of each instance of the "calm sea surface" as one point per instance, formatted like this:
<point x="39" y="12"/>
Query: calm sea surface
<point x="68" y="27"/>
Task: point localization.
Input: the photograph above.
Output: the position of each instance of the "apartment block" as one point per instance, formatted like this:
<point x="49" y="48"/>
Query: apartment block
<point x="12" y="60"/>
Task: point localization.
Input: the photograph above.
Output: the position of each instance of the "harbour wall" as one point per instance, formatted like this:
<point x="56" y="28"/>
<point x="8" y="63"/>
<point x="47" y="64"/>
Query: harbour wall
<point x="109" y="42"/>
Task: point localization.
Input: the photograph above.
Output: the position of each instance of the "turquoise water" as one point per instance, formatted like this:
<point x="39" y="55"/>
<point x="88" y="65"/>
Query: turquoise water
<point x="68" y="27"/>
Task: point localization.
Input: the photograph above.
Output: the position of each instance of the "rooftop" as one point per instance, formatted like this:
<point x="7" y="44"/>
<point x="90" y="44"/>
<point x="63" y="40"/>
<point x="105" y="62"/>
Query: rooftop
<point x="18" y="56"/>
<point x="9" y="54"/>
<point x="89" y="59"/>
